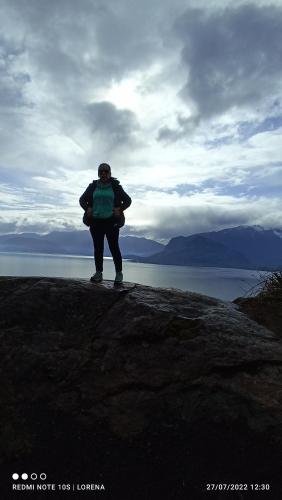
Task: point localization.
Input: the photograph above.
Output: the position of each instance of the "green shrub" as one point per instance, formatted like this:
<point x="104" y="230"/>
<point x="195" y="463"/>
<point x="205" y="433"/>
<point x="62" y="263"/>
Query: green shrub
<point x="271" y="287"/>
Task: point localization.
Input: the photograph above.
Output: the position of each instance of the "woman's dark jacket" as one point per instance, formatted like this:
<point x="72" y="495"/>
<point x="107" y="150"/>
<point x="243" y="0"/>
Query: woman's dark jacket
<point x="121" y="200"/>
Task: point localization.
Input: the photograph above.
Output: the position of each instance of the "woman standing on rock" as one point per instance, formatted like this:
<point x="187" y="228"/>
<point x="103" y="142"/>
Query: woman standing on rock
<point x="104" y="202"/>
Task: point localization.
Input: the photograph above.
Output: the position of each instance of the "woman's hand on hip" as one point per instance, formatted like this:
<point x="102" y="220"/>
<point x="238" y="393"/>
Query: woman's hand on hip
<point x="117" y="211"/>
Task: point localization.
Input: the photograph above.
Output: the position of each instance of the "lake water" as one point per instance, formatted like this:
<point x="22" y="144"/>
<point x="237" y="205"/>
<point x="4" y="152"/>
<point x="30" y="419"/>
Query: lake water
<point x="222" y="283"/>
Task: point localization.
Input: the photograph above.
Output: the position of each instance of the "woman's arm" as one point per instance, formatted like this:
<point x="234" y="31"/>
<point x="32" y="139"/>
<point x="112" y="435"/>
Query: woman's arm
<point x="125" y="199"/>
<point x="86" y="198"/>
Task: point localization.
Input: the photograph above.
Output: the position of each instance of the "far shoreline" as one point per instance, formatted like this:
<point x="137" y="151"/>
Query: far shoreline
<point x="136" y="261"/>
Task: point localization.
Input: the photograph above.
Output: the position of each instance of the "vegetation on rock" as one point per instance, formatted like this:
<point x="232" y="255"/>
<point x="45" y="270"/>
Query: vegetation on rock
<point x="266" y="306"/>
<point x="272" y="287"/>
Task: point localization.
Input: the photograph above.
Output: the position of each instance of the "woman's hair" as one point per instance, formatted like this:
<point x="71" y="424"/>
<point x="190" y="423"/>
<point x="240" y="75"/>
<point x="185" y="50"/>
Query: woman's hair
<point x="104" y="166"/>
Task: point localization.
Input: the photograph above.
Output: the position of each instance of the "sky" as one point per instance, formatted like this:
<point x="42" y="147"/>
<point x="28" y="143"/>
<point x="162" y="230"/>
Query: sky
<point x="182" y="98"/>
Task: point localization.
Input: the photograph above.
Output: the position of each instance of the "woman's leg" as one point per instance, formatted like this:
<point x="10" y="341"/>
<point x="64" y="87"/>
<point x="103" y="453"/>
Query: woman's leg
<point x="98" y="234"/>
<point x="112" y="234"/>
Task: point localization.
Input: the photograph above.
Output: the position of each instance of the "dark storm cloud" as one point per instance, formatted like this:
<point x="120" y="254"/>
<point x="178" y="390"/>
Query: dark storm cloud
<point x="117" y="126"/>
<point x="233" y="56"/>
<point x="86" y="40"/>
<point x="128" y="42"/>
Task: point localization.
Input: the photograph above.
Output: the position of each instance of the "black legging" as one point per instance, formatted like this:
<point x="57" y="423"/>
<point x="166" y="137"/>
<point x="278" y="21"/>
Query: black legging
<point x="99" y="229"/>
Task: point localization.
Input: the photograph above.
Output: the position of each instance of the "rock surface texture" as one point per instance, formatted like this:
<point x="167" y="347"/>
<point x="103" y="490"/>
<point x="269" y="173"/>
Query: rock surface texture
<point x="152" y="392"/>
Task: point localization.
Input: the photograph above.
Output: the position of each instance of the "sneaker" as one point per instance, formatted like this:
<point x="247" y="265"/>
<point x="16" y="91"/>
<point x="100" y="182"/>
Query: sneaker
<point x="119" y="277"/>
<point x="97" y="277"/>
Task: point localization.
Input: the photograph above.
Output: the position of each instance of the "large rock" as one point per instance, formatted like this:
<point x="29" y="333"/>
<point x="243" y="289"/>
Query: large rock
<point x="153" y="392"/>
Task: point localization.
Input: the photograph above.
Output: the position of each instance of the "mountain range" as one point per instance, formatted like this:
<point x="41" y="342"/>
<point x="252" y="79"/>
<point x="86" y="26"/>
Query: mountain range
<point x="247" y="247"/>
<point x="73" y="243"/>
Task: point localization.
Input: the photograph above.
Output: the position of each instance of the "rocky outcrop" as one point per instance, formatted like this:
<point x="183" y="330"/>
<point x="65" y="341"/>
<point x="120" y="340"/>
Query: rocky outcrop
<point x="155" y="392"/>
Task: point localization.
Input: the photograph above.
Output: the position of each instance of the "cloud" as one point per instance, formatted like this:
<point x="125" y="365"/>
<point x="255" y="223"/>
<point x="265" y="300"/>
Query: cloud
<point x="233" y="57"/>
<point x="204" y="212"/>
<point x="92" y="43"/>
<point x="117" y="126"/>
<point x="186" y="125"/>
<point x="184" y="103"/>
<point x="12" y="81"/>
<point x="27" y="225"/>
<point x="248" y="129"/>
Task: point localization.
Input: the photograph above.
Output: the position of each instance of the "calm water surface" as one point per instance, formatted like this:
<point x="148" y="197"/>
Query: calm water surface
<point x="222" y="283"/>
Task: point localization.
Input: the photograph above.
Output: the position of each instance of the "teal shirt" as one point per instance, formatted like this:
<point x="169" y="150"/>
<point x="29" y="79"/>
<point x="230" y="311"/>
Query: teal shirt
<point x="103" y="201"/>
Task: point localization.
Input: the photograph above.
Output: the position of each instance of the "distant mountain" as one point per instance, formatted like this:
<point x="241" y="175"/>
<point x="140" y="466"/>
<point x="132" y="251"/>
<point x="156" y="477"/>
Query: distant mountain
<point x="249" y="247"/>
<point x="73" y="243"/>
<point x="144" y="246"/>
<point x="262" y="247"/>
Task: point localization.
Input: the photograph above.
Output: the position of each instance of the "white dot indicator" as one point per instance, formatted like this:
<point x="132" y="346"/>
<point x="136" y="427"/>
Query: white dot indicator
<point x="24" y="476"/>
<point x="15" y="476"/>
<point x="33" y="476"/>
<point x="43" y="476"/>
